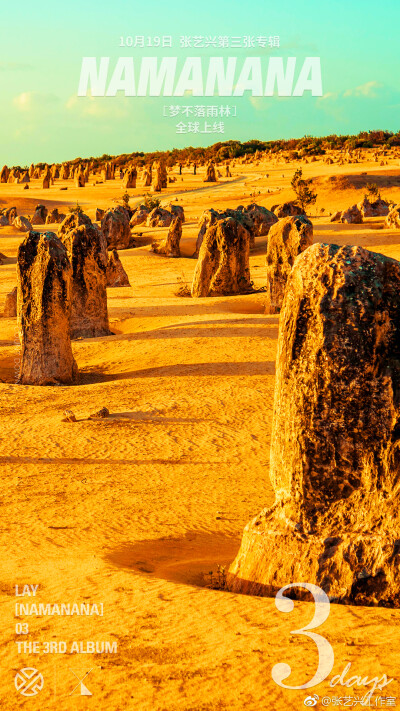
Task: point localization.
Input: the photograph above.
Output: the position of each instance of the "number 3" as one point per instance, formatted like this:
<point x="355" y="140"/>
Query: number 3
<point x="326" y="657"/>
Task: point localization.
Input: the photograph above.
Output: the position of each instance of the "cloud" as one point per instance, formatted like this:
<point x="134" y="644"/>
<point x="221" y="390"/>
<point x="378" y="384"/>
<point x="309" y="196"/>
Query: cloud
<point x="369" y="90"/>
<point x="36" y="102"/>
<point x="99" y="107"/>
<point x="328" y="96"/>
<point x="367" y="105"/>
<point x="264" y="103"/>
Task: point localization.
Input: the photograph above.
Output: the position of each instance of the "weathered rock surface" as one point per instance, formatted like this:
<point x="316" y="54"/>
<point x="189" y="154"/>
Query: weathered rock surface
<point x="393" y="218"/>
<point x="10" y="305"/>
<point x="140" y="215"/>
<point x="258" y="219"/>
<point x="157" y="178"/>
<point x="223" y="264"/>
<point x="378" y="208"/>
<point x="287" y="239"/>
<point x="288" y="209"/>
<point x="73" y="220"/>
<point x="210" y="176"/>
<point x="4" y="174"/>
<point x="64" y="172"/>
<point x="44" y="283"/>
<point x="100" y="414"/>
<point x="170" y="246"/>
<point x="55" y="217"/>
<point x="116" y="274"/>
<point x="335" y="452"/>
<point x="351" y="216"/>
<point x="79" y="177"/>
<point x="115" y="226"/>
<point x="106" y="172"/>
<point x="207" y="218"/>
<point x="147" y="177"/>
<point x="99" y="214"/>
<point x="87" y="251"/>
<point x="46" y="179"/>
<point x="22" y="224"/>
<point x="13" y="175"/>
<point x="175" y="209"/>
<point x="159" y="217"/>
<point x="163" y="174"/>
<point x="39" y="216"/>
<point x="10" y="213"/>
<point x="130" y="178"/>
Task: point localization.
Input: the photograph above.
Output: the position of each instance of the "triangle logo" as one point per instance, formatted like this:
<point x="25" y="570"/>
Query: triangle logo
<point x="85" y="691"/>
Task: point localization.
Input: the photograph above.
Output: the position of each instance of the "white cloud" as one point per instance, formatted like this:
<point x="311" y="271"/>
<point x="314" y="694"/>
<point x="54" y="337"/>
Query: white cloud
<point x="369" y="90"/>
<point x="35" y="101"/>
<point x="100" y="107"/>
<point x="329" y="95"/>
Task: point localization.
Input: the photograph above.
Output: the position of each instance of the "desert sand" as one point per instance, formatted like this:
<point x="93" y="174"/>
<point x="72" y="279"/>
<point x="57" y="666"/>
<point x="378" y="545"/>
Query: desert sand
<point x="133" y="511"/>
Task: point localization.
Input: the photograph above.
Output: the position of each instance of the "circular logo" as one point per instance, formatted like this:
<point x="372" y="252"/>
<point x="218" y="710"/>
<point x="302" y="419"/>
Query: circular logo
<point x="28" y="681"/>
<point x="311" y="700"/>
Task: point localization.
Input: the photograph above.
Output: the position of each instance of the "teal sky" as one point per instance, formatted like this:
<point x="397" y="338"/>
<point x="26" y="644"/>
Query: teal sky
<point x="43" y="42"/>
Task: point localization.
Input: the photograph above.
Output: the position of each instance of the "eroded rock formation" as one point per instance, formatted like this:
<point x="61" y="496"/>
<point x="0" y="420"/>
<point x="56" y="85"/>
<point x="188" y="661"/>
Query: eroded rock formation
<point x="378" y="208"/>
<point x="157" y="177"/>
<point x="287" y="238"/>
<point x="210" y="176"/>
<point x="4" y="174"/>
<point x="351" y="216"/>
<point x="87" y="251"/>
<point x="22" y="224"/>
<point x="207" y="218"/>
<point x="55" y="217"/>
<point x="223" y="264"/>
<point x="10" y="305"/>
<point x="46" y="178"/>
<point x="116" y="274"/>
<point x="140" y="215"/>
<point x="335" y="452"/>
<point x="170" y="246"/>
<point x="115" y="226"/>
<point x="258" y="219"/>
<point x="44" y="283"/>
<point x="130" y="178"/>
<point x="10" y="213"/>
<point x="393" y="218"/>
<point x="159" y="217"/>
<point x="79" y="177"/>
<point x="288" y="209"/>
<point x="39" y="216"/>
<point x="73" y="220"/>
<point x="147" y="177"/>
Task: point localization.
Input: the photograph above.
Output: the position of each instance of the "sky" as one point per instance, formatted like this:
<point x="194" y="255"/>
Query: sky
<point x="43" y="42"/>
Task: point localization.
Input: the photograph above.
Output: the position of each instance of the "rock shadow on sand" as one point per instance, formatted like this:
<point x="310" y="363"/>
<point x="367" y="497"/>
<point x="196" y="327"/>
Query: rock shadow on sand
<point x="226" y="369"/>
<point x="186" y="560"/>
